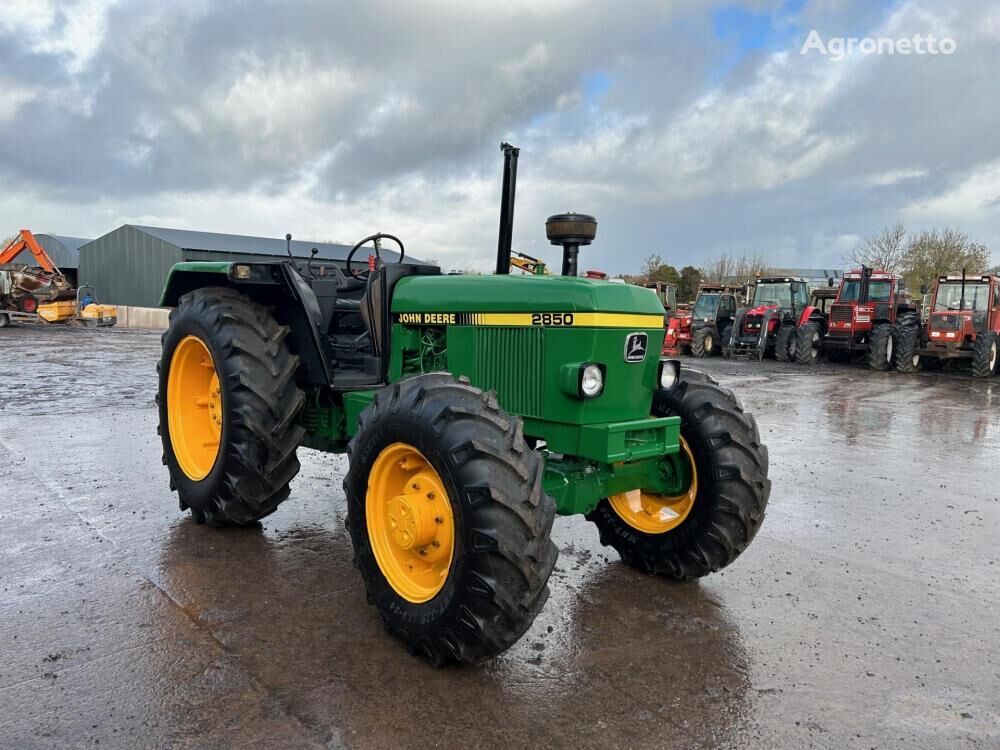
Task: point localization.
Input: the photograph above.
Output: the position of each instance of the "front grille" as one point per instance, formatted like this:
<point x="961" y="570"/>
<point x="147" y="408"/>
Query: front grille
<point x="751" y="324"/>
<point x="841" y="313"/>
<point x="510" y="361"/>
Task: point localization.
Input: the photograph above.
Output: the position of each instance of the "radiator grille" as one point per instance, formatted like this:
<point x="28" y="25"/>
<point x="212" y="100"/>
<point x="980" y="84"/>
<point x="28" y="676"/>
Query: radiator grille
<point x="510" y="361"/>
<point x="751" y="324"/>
<point x="842" y="313"/>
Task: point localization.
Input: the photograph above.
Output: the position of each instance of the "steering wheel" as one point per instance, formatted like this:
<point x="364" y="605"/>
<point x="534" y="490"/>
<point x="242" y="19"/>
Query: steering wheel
<point x="376" y="239"/>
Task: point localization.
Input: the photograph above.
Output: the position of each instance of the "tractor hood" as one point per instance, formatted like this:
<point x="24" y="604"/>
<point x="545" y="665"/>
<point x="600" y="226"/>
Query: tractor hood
<point x="523" y="294"/>
<point x="761" y="309"/>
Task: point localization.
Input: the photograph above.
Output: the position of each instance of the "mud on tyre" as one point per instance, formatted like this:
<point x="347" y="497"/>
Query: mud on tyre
<point x="731" y="491"/>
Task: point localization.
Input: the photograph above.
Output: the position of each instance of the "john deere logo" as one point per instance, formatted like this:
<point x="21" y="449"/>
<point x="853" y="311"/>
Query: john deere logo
<point x="635" y="347"/>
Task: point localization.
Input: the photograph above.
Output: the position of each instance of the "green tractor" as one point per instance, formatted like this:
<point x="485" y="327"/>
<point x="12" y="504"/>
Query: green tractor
<point x="473" y="409"/>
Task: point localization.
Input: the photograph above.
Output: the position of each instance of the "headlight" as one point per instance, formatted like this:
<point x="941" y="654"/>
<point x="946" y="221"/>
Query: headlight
<point x="241" y="272"/>
<point x="670" y="373"/>
<point x="591" y="380"/>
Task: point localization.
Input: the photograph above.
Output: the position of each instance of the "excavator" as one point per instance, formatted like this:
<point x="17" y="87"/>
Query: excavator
<point x="43" y="292"/>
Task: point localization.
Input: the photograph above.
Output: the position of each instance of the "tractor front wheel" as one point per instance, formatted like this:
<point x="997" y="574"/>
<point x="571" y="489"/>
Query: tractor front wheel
<point x="703" y="342"/>
<point x="704" y="528"/>
<point x="907" y="346"/>
<point x="784" y="343"/>
<point x="448" y="519"/>
<point x="809" y="342"/>
<point x="229" y="408"/>
<point x="984" y="355"/>
<point x="4" y="320"/>
<point x="881" y="348"/>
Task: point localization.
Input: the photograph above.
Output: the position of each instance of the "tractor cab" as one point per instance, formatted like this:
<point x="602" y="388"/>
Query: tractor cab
<point x="963" y="307"/>
<point x="711" y="319"/>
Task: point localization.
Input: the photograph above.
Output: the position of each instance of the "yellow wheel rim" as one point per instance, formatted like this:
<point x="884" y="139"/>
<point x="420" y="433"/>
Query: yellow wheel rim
<point x="410" y="523"/>
<point x="658" y="514"/>
<point x="194" y="408"/>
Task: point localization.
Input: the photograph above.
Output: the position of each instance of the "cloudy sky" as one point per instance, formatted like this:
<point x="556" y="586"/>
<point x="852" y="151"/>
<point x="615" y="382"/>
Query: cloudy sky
<point x="689" y="128"/>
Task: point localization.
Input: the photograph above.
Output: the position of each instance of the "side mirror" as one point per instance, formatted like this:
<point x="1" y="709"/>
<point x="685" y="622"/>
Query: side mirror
<point x="923" y="289"/>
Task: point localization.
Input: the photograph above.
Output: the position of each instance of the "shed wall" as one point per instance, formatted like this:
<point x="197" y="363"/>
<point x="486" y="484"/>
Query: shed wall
<point x="128" y="267"/>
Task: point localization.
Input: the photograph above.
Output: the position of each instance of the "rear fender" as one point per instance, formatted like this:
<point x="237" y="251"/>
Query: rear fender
<point x="276" y="286"/>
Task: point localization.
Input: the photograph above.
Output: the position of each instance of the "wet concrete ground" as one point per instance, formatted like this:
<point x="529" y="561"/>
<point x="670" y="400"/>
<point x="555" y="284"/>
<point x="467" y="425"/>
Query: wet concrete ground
<point x="864" y="615"/>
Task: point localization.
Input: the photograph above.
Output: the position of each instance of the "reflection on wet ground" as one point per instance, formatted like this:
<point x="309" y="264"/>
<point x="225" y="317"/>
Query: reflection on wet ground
<point x="864" y="614"/>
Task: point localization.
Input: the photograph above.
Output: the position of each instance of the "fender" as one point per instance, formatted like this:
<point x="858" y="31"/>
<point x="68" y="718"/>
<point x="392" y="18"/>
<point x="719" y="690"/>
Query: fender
<point x="275" y="285"/>
<point x="808" y="313"/>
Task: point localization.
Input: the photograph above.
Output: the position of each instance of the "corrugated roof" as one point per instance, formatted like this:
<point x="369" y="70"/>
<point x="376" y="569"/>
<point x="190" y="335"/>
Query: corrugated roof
<point x="234" y="243"/>
<point x="73" y="244"/>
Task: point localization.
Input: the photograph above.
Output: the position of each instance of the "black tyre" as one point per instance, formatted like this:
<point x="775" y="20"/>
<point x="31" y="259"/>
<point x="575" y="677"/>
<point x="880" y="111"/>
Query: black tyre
<point x="784" y="343"/>
<point x="808" y="343"/>
<point x="726" y="501"/>
<point x="907" y="340"/>
<point x="881" y="350"/>
<point x="725" y="336"/>
<point x="984" y="355"/>
<point x="4" y="320"/>
<point x="227" y="377"/>
<point x="704" y="342"/>
<point x="484" y="596"/>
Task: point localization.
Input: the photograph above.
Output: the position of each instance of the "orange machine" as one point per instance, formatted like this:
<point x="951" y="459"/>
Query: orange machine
<point x="25" y="240"/>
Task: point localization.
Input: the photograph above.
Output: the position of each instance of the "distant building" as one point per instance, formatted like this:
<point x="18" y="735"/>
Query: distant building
<point x="129" y="266"/>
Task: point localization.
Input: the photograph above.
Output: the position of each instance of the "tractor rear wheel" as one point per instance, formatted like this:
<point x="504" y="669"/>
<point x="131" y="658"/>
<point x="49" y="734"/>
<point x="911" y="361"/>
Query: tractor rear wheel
<point x="703" y="343"/>
<point x="448" y="518"/>
<point x="706" y="527"/>
<point x="984" y="355"/>
<point x="907" y="346"/>
<point x="784" y="343"/>
<point x="808" y="343"/>
<point x="880" y="347"/>
<point x="229" y="408"/>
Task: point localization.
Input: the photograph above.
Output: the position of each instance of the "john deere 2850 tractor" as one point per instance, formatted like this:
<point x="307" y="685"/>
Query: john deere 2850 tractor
<point x="473" y="410"/>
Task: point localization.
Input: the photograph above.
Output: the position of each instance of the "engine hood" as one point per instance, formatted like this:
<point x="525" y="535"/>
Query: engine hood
<point x="515" y="294"/>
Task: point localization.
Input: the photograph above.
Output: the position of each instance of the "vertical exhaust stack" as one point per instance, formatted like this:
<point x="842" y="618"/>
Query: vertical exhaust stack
<point x="864" y="286"/>
<point x="510" y="154"/>
<point x="571" y="230"/>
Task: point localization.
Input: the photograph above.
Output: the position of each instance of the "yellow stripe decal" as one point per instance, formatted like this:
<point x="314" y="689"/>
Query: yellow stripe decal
<point x="546" y="319"/>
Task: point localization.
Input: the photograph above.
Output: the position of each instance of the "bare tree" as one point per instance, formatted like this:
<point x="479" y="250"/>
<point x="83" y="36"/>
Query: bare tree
<point x="935" y="253"/>
<point x="729" y="269"/>
<point x="651" y="265"/>
<point x="718" y="269"/>
<point x="885" y="250"/>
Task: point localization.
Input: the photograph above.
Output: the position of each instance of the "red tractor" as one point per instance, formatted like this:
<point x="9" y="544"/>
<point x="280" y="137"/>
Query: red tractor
<point x="964" y="323"/>
<point x="779" y="305"/>
<point x="869" y="310"/>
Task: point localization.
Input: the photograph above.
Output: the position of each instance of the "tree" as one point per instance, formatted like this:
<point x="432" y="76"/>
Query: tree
<point x="935" y="253"/>
<point x="729" y="269"/>
<point x="690" y="281"/>
<point x="885" y="251"/>
<point x="651" y="265"/>
<point x="667" y="274"/>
